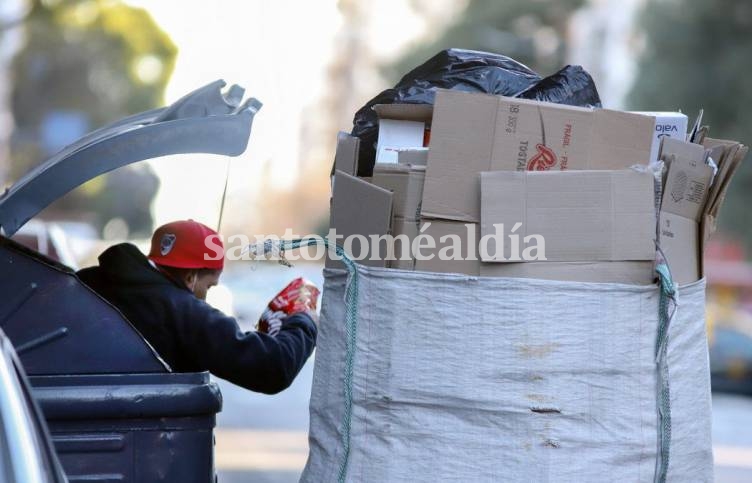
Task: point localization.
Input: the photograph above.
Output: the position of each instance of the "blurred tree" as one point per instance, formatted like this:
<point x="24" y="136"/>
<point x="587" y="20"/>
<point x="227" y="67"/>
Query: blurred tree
<point x="529" y="31"/>
<point x="87" y="63"/>
<point x="696" y="56"/>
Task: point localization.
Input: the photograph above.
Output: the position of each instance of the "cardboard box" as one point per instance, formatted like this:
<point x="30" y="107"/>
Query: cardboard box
<point x="685" y="194"/>
<point x="400" y="126"/>
<point x="667" y="125"/>
<point x="580" y="215"/>
<point x="360" y="208"/>
<point x="680" y="242"/>
<point x="412" y="156"/>
<point x="467" y="236"/>
<point x="473" y="132"/>
<point x="635" y="272"/>
<point x="406" y="184"/>
<point x="395" y="134"/>
<point x="403" y="233"/>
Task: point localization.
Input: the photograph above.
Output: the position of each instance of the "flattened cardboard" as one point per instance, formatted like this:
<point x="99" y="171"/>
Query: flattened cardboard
<point x="687" y="183"/>
<point x="406" y="184"/>
<point x="474" y="132"/>
<point x="468" y="239"/>
<point x="636" y="273"/>
<point x="581" y="215"/>
<point x="633" y="273"/>
<point x="346" y="156"/>
<point x="671" y="148"/>
<point x="680" y="242"/>
<point x="685" y="196"/>
<point x="403" y="233"/>
<point x="360" y="208"/>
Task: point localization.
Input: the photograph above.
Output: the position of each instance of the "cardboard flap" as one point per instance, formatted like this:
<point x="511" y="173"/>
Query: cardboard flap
<point x="687" y="187"/>
<point x="360" y="208"/>
<point x="680" y="244"/>
<point x="620" y="139"/>
<point x="581" y="215"/>
<point x="346" y="156"/>
<point x="405" y="112"/>
<point x="674" y="148"/>
<point x="461" y="147"/>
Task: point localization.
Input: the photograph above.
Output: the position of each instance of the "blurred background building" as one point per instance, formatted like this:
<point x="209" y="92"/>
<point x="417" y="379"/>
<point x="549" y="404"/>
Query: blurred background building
<point x="69" y="66"/>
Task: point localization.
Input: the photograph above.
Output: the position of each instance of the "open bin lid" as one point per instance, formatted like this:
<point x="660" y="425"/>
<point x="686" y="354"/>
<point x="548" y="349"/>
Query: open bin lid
<point x="204" y="121"/>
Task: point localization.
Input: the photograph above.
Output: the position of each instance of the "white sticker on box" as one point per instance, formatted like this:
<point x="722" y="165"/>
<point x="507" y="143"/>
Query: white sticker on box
<point x="395" y="135"/>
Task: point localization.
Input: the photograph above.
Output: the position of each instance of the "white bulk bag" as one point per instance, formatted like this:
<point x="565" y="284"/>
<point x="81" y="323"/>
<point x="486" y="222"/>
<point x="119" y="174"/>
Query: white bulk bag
<point x="459" y="378"/>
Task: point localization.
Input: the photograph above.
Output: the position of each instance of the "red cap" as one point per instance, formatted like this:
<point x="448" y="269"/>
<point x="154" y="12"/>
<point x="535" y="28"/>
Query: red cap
<point x="187" y="244"/>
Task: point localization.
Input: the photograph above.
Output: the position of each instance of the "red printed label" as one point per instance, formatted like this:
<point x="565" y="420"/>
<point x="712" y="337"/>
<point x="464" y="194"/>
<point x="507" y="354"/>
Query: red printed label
<point x="543" y="160"/>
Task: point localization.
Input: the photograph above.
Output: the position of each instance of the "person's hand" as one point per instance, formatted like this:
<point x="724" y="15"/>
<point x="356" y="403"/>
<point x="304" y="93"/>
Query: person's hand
<point x="271" y="322"/>
<point x="299" y="296"/>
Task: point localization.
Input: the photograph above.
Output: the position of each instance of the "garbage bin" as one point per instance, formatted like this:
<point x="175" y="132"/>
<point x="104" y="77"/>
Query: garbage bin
<point x="132" y="427"/>
<point x="114" y="409"/>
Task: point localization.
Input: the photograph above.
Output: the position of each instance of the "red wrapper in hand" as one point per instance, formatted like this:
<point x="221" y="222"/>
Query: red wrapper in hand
<point x="300" y="295"/>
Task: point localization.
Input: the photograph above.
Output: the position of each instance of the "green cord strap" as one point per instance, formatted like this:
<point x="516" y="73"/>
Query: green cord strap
<point x="351" y="328"/>
<point x="666" y="310"/>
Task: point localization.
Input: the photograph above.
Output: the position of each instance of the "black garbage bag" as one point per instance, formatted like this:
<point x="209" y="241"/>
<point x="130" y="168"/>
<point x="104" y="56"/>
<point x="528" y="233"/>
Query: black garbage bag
<point x="471" y="71"/>
<point x="572" y="86"/>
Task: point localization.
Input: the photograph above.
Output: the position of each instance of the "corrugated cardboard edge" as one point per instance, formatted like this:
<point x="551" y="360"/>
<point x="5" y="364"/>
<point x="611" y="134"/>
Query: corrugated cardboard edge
<point x="405" y="112"/>
<point x="346" y="155"/>
<point x="359" y="208"/>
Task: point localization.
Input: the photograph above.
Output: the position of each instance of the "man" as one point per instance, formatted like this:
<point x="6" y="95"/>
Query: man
<point x="163" y="297"/>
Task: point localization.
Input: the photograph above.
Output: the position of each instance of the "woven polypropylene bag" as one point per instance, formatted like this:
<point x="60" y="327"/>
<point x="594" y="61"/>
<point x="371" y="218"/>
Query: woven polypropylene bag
<point x="459" y="378"/>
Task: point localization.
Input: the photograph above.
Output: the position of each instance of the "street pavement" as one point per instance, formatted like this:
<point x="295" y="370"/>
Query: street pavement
<point x="263" y="438"/>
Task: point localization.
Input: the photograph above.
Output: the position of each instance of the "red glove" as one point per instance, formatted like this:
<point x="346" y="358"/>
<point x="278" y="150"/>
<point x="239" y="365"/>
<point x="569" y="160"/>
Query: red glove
<point x="300" y="295"/>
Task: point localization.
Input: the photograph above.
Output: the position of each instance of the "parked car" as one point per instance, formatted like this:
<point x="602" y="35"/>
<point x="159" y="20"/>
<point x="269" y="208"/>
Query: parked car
<point x="48" y="239"/>
<point x="731" y="361"/>
<point x="28" y="455"/>
<point x="114" y="408"/>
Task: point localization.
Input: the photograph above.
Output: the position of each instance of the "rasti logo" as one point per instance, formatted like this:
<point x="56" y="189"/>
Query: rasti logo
<point x="545" y="158"/>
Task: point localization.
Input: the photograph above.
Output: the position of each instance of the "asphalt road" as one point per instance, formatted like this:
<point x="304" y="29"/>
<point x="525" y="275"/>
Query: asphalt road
<point x="263" y="438"/>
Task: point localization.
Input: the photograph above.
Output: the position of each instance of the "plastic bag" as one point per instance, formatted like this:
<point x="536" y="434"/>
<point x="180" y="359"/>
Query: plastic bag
<point x="471" y="71"/>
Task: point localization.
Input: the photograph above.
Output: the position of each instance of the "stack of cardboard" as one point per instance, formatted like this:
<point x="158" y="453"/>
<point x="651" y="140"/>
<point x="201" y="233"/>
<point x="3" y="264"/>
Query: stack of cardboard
<point x="693" y="193"/>
<point x="520" y="169"/>
<point x="387" y="203"/>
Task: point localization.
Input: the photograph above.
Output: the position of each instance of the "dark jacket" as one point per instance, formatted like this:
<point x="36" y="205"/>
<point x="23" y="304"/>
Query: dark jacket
<point x="191" y="335"/>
